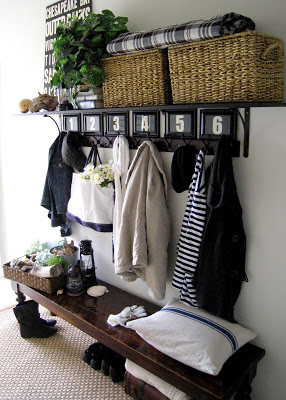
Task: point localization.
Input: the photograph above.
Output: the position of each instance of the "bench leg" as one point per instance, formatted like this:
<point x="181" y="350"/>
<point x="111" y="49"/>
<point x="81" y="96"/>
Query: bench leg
<point x="244" y="392"/>
<point x="20" y="296"/>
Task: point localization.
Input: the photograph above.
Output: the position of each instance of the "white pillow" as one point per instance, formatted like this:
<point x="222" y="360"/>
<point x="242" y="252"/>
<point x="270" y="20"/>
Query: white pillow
<point x="192" y="336"/>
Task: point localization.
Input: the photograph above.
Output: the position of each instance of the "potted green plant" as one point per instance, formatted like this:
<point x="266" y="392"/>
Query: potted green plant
<point x="79" y="47"/>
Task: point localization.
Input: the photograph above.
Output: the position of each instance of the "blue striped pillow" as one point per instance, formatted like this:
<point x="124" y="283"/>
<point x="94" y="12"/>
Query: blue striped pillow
<point x="192" y="336"/>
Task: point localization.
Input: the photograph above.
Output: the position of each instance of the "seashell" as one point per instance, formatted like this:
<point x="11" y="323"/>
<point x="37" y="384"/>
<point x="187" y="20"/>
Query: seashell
<point x="96" y="291"/>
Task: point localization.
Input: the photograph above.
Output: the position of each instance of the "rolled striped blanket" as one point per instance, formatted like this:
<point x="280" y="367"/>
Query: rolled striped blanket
<point x="226" y="24"/>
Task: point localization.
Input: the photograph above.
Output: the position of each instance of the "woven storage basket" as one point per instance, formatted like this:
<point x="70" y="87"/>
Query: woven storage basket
<point x="47" y="285"/>
<point x="137" y="79"/>
<point x="246" y="67"/>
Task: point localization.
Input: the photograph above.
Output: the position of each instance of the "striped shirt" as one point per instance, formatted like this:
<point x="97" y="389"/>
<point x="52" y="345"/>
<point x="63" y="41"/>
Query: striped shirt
<point x="191" y="235"/>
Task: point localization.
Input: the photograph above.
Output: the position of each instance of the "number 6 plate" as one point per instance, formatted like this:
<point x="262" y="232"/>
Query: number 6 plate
<point x="214" y="123"/>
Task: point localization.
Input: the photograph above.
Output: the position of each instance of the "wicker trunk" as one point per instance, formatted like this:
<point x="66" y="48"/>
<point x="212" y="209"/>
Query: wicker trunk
<point x="137" y="79"/>
<point x="246" y="67"/>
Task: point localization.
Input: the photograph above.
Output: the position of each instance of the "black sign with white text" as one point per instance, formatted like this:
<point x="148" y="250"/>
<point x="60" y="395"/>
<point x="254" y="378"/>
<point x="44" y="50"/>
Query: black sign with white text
<point x="61" y="11"/>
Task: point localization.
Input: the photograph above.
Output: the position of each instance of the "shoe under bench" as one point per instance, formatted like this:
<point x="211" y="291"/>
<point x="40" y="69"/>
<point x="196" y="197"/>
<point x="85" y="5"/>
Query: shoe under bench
<point x="90" y="314"/>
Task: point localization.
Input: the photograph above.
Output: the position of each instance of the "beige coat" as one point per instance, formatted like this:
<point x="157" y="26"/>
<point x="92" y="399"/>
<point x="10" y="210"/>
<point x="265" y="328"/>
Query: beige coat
<point x="145" y="226"/>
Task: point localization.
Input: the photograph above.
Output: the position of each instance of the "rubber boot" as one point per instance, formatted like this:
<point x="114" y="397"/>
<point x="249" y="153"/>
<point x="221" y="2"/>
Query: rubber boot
<point x="28" y="316"/>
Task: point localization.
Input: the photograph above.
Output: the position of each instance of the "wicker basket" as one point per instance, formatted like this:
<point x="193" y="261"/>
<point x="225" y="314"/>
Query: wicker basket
<point x="246" y="67"/>
<point x="47" y="285"/>
<point x="137" y="79"/>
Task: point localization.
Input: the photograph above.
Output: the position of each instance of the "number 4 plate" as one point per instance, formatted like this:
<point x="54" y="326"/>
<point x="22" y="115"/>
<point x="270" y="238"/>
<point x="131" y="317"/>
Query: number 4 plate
<point x="214" y="123"/>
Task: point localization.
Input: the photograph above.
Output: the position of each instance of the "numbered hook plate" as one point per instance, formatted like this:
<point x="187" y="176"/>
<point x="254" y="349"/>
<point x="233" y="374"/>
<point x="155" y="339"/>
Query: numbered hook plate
<point x="181" y="124"/>
<point x="92" y="124"/>
<point x="146" y="124"/>
<point x="117" y="124"/>
<point x="214" y="123"/>
<point x="71" y="123"/>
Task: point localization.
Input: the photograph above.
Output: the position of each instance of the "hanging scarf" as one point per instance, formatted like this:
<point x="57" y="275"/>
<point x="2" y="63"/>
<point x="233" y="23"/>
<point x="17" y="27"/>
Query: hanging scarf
<point x="191" y="235"/>
<point x="120" y="167"/>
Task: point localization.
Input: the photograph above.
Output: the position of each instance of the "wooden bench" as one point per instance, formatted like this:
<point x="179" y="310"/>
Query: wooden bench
<point x="90" y="315"/>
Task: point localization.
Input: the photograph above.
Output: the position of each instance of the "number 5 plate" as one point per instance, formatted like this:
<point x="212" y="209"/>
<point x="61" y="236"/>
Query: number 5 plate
<point x="181" y="123"/>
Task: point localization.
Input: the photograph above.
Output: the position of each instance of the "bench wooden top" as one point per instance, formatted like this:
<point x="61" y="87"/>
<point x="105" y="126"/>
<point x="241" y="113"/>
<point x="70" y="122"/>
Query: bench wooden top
<point x="90" y="315"/>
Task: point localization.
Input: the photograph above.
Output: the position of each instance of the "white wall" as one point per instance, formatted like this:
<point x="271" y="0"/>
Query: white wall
<point x="24" y="144"/>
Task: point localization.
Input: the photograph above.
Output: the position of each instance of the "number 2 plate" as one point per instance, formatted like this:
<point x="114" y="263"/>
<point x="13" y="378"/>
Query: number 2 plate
<point x="92" y="123"/>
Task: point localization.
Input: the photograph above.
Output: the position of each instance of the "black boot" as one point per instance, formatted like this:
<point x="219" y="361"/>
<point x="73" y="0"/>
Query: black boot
<point x="108" y="356"/>
<point x="117" y="368"/>
<point x="48" y="322"/>
<point x="92" y="349"/>
<point x="28" y="316"/>
<point x="97" y="356"/>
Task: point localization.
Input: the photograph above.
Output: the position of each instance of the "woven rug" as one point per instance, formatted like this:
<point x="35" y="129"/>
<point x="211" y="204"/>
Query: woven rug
<point x="51" y="368"/>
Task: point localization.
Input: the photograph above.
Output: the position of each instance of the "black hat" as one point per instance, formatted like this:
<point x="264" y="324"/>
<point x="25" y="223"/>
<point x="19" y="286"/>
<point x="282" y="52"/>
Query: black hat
<point x="182" y="168"/>
<point x="71" y="151"/>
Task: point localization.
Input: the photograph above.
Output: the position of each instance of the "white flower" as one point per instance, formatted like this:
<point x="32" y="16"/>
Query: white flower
<point x="110" y="175"/>
<point x="98" y="179"/>
<point x="89" y="168"/>
<point x="84" y="177"/>
<point x="101" y="175"/>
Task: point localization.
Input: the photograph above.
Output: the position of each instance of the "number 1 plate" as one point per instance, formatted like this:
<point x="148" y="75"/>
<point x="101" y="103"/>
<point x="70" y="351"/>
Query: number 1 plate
<point x="71" y="123"/>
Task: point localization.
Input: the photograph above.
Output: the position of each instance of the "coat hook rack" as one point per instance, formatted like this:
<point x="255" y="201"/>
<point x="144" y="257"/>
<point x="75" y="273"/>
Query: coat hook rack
<point x="92" y="124"/>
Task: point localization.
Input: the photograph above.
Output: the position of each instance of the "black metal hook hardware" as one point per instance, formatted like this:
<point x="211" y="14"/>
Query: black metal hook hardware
<point x="245" y="124"/>
<point x="46" y="115"/>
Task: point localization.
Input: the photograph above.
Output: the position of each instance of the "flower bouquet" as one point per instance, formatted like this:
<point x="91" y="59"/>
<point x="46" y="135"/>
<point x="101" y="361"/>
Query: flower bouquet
<point x="101" y="175"/>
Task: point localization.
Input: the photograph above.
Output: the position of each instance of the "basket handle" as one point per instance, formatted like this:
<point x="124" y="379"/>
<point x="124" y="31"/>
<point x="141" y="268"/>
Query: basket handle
<point x="277" y="44"/>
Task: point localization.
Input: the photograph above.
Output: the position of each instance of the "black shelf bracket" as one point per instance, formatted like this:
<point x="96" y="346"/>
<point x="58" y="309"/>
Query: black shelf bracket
<point x="246" y="132"/>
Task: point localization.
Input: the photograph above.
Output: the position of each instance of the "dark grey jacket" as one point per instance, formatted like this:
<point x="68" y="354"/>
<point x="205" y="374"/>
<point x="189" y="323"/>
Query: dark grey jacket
<point x="57" y="187"/>
<point x="221" y="266"/>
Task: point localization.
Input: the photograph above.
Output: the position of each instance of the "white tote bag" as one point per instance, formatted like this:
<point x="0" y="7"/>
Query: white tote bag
<point x="91" y="205"/>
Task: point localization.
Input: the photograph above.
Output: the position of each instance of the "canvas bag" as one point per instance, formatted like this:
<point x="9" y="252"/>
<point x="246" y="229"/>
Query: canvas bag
<point x="91" y="205"/>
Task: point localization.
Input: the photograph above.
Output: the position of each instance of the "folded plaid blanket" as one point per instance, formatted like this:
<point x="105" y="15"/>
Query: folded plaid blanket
<point x="214" y="27"/>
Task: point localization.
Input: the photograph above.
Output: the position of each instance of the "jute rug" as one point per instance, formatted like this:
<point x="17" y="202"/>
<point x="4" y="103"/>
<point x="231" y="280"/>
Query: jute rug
<point x="51" y="368"/>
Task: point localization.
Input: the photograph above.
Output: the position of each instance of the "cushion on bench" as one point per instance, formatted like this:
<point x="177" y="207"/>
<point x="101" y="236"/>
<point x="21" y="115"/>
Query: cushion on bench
<point x="192" y="336"/>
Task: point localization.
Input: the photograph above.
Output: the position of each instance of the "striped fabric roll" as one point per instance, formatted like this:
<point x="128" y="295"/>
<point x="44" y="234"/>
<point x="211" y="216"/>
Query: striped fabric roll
<point x="220" y="25"/>
<point x="191" y="235"/>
